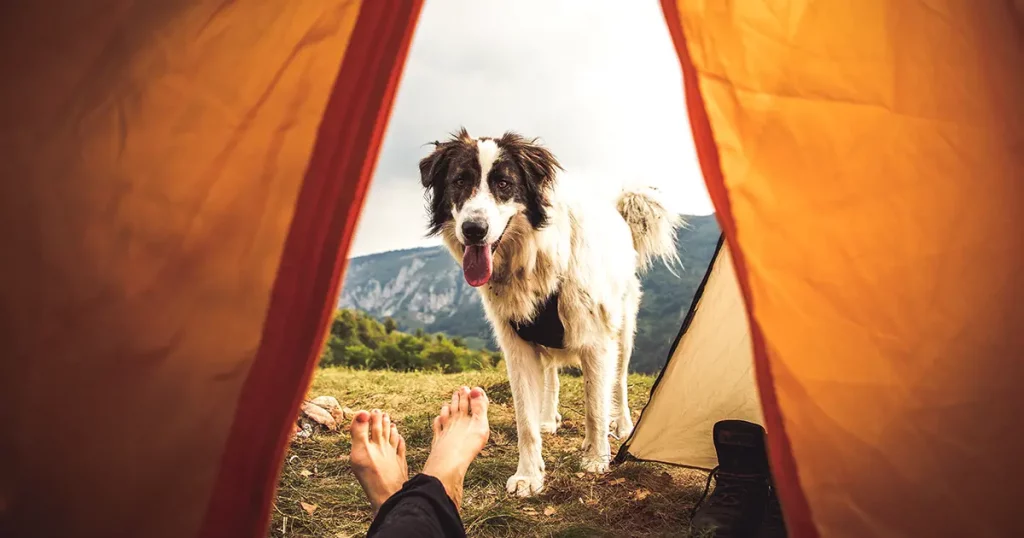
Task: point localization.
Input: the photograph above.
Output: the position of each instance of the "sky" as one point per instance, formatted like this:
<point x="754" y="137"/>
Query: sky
<point x="598" y="82"/>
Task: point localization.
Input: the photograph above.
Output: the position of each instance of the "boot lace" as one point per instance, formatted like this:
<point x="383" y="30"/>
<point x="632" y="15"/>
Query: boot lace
<point x="728" y="493"/>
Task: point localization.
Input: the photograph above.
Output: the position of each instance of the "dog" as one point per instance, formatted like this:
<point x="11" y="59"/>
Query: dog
<point x="558" y="273"/>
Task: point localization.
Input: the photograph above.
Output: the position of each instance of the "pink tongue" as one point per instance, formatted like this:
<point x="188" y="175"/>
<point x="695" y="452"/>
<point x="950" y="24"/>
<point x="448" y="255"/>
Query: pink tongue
<point x="476" y="264"/>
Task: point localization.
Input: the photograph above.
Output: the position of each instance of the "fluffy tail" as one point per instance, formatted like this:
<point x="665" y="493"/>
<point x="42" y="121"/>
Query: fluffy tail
<point x="652" y="224"/>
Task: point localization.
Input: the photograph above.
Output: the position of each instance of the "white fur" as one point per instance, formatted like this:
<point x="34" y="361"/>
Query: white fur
<point x="482" y="205"/>
<point x="589" y="253"/>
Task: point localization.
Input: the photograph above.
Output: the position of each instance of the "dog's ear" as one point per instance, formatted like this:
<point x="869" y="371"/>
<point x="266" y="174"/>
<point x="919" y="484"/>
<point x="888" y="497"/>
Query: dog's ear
<point x="433" y="166"/>
<point x="433" y="171"/>
<point x="539" y="164"/>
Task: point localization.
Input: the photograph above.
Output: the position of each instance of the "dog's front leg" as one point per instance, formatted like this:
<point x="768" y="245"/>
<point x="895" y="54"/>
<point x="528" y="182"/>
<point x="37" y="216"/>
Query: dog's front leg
<point x="598" y="375"/>
<point x="549" y="417"/>
<point x="526" y="378"/>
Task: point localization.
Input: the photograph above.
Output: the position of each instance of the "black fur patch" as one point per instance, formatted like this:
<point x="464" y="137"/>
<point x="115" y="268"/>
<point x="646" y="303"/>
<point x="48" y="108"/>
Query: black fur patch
<point x="451" y="174"/>
<point x="546" y="328"/>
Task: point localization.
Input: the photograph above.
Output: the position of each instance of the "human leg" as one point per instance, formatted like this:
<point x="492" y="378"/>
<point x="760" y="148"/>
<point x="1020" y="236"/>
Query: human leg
<point x="428" y="504"/>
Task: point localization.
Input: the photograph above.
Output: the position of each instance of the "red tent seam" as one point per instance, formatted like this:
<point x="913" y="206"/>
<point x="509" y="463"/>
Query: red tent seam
<point x="784" y="470"/>
<point x="312" y="265"/>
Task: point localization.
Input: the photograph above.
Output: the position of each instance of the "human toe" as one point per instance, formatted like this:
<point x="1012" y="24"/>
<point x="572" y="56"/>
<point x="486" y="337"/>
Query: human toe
<point x="376" y="425"/>
<point x="463" y="401"/>
<point x="478" y="402"/>
<point x="445" y="415"/>
<point x="360" y="427"/>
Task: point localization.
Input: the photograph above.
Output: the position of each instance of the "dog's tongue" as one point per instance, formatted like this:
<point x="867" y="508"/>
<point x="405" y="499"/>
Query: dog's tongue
<point x="476" y="264"/>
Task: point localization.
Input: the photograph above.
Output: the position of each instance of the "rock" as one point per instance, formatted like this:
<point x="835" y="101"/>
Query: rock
<point x="319" y="415"/>
<point x="327" y="402"/>
<point x="305" y="432"/>
<point x="338" y="414"/>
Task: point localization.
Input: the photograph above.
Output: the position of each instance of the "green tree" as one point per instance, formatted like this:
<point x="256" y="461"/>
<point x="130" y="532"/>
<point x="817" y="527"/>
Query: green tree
<point x="410" y="345"/>
<point x="443" y="356"/>
<point x="357" y="340"/>
<point x="344" y="325"/>
<point x="359" y="357"/>
<point x="333" y="353"/>
<point x="390" y="356"/>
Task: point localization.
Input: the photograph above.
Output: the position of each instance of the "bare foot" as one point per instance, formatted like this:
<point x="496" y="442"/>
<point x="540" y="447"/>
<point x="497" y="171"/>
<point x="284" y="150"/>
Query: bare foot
<point x="378" y="456"/>
<point x="460" y="433"/>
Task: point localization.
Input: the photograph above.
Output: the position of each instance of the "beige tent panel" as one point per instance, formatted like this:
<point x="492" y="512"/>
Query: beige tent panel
<point x="709" y="377"/>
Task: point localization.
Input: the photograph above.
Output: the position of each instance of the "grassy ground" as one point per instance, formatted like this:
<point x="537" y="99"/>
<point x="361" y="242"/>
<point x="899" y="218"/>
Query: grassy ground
<point x="634" y="499"/>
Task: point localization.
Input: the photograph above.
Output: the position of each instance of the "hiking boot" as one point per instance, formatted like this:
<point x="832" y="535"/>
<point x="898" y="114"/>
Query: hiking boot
<point x="736" y="506"/>
<point x="772" y="525"/>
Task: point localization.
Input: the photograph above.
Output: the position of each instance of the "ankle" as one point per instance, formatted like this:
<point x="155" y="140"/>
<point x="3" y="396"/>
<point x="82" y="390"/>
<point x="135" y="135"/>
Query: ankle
<point x="454" y="490"/>
<point x="451" y="480"/>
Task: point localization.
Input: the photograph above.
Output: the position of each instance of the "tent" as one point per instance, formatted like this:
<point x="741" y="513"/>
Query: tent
<point x="182" y="180"/>
<point x="709" y="376"/>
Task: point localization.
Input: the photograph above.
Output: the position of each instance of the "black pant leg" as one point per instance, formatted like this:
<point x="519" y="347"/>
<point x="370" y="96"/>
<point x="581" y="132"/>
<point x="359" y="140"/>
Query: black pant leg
<point x="421" y="509"/>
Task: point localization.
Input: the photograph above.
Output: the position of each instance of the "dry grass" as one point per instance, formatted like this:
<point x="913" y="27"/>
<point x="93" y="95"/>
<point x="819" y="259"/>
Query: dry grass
<point x="634" y="499"/>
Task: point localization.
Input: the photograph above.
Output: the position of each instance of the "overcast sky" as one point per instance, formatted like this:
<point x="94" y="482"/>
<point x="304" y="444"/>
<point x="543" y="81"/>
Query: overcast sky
<point x="597" y="81"/>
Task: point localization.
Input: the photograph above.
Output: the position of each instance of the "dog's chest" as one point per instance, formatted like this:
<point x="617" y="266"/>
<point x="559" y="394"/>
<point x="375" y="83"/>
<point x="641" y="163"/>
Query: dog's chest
<point x="529" y="304"/>
<point x="546" y="327"/>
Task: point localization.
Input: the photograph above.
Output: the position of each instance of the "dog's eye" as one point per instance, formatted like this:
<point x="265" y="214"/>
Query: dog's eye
<point x="502" y="184"/>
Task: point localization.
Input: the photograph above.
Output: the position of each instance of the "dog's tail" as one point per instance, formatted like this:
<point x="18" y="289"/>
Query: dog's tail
<point x="652" y="224"/>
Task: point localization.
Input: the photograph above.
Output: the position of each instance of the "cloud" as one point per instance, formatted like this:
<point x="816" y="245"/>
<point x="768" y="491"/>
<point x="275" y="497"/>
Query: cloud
<point x="598" y="81"/>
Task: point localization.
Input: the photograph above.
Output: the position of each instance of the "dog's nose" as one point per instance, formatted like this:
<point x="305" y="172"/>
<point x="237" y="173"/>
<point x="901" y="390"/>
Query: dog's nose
<point x="474" y="231"/>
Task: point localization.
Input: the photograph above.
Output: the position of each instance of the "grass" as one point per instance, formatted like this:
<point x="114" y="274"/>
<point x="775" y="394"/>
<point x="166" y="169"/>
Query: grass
<point x="635" y="499"/>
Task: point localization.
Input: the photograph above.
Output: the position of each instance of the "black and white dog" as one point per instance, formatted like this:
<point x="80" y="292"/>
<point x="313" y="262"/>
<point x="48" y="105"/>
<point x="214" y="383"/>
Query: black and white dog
<point x="557" y="269"/>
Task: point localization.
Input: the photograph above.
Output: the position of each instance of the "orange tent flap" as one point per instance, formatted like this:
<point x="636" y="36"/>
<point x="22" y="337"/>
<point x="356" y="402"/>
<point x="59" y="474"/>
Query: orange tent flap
<point x="866" y="157"/>
<point x="156" y="161"/>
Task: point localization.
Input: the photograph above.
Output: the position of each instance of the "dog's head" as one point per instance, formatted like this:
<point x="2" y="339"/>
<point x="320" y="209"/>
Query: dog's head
<point x="475" y="188"/>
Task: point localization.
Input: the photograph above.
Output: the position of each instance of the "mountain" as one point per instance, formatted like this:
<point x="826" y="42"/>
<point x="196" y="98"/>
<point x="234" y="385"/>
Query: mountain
<point x="424" y="288"/>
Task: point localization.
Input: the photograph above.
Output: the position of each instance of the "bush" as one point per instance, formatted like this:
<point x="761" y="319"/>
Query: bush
<point x="359" y="341"/>
<point x="358" y="356"/>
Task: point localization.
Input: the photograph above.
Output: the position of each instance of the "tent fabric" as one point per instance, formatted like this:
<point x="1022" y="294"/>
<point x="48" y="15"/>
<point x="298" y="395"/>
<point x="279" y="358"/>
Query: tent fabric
<point x="709" y="376"/>
<point x="181" y="184"/>
<point x="182" y="181"/>
<point x="865" y="161"/>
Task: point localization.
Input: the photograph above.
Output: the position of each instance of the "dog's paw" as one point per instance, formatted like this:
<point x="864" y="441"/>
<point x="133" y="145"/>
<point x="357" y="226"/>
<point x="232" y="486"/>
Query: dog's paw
<point x="551" y="426"/>
<point x="525" y="485"/>
<point x="622" y="427"/>
<point x="595" y="464"/>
